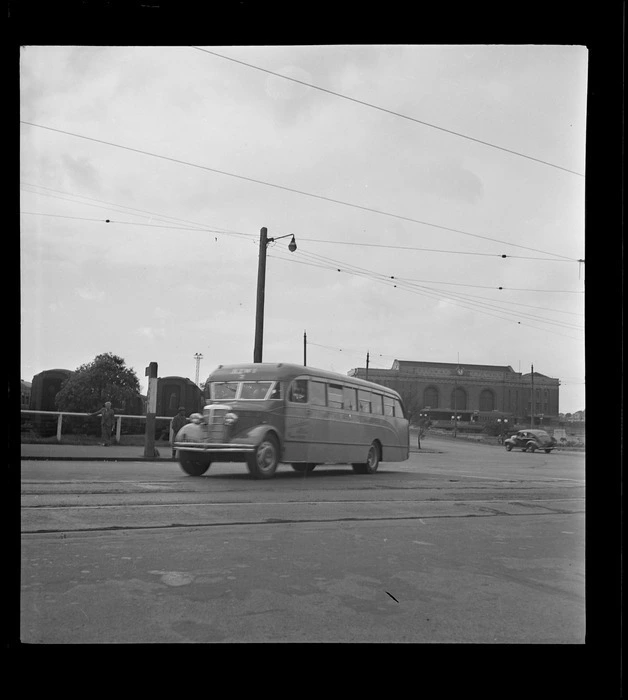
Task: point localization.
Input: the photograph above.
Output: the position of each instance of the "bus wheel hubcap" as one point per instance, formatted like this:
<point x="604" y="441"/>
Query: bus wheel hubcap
<point x="265" y="456"/>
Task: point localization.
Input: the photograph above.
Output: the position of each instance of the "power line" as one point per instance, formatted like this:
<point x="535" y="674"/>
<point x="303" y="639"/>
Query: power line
<point x="165" y="217"/>
<point x="201" y="227"/>
<point x="138" y="223"/>
<point x="290" y="189"/>
<point x="131" y="210"/>
<point x="388" y="111"/>
<point x="330" y="264"/>
<point x="435" y="250"/>
<point x="393" y="278"/>
<point x="456" y="300"/>
<point x="464" y="302"/>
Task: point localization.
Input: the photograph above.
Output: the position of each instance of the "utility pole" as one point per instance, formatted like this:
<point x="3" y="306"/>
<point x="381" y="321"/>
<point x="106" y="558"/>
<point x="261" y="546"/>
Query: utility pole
<point x="367" y="365"/>
<point x="455" y="397"/>
<point x="532" y="400"/>
<point x="261" y="284"/>
<point x="198" y="357"/>
<point x="455" y="412"/>
<point x="304" y="349"/>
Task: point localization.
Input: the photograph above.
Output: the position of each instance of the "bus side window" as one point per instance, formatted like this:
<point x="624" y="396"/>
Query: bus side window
<point x="334" y="395"/>
<point x="364" y="397"/>
<point x="376" y="404"/>
<point x="398" y="409"/>
<point x="298" y="391"/>
<point x="318" y="394"/>
<point x="388" y="406"/>
<point x="349" y="399"/>
<point x="276" y="392"/>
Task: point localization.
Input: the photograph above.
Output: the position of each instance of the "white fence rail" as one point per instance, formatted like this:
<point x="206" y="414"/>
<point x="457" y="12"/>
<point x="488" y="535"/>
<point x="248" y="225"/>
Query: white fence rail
<point x="118" y="418"/>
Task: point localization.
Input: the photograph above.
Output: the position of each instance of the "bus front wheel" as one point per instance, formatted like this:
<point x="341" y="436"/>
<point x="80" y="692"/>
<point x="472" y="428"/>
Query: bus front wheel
<point x="193" y="464"/>
<point x="263" y="462"/>
<point x="371" y="464"/>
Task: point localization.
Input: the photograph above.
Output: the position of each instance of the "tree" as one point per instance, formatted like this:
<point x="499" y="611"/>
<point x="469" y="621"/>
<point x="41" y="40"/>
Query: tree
<point x="411" y="402"/>
<point x="106" y="378"/>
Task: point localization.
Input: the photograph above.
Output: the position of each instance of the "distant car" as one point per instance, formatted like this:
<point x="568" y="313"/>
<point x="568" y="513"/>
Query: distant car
<point x="530" y="441"/>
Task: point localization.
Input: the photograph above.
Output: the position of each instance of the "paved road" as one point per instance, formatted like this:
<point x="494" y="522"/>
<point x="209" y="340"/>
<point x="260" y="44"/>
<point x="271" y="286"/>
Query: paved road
<point x="464" y="543"/>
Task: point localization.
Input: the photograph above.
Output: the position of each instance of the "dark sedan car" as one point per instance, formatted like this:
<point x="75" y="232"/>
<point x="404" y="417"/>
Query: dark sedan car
<point x="530" y="441"/>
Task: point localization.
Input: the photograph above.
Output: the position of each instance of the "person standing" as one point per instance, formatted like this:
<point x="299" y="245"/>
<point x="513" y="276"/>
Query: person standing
<point x="107" y="417"/>
<point x="177" y="423"/>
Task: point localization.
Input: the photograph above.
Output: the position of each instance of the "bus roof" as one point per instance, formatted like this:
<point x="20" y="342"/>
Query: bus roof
<point x="285" y="371"/>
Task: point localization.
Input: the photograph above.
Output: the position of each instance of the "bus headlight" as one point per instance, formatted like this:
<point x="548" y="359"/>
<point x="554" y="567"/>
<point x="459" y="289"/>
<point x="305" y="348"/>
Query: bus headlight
<point x="230" y="418"/>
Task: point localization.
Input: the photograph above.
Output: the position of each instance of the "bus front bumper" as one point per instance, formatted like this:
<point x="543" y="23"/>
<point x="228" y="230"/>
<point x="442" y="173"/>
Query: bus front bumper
<point x="213" y="447"/>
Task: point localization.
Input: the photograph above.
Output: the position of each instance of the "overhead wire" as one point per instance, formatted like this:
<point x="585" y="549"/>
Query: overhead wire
<point x="322" y="262"/>
<point x="296" y="191"/>
<point x="397" y="279"/>
<point x="165" y="217"/>
<point x="449" y="297"/>
<point x="142" y="212"/>
<point x="389" y="111"/>
<point x="433" y="250"/>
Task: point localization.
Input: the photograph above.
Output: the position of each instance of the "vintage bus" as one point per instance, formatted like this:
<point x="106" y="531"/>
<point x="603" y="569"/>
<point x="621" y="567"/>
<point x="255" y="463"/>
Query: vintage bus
<point x="265" y="414"/>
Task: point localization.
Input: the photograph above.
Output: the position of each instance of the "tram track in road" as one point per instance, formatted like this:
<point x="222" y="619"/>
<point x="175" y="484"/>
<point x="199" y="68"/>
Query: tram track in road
<point x="103" y="518"/>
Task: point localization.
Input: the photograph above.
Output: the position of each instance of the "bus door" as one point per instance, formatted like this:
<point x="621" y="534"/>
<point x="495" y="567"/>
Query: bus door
<point x="297" y="433"/>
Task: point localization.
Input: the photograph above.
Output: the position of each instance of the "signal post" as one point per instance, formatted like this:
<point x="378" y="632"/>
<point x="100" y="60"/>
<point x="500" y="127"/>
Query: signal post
<point x="151" y="411"/>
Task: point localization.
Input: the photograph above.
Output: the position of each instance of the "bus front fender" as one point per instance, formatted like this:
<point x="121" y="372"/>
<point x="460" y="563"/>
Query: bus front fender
<point x="190" y="433"/>
<point x="255" y="435"/>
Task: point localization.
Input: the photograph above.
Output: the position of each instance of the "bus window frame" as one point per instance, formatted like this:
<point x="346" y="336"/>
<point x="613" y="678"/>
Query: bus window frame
<point x="336" y="403"/>
<point x="314" y="400"/>
<point x="365" y="401"/>
<point x="290" y="393"/>
<point x="377" y="400"/>
<point x="354" y="405"/>
<point x="253" y="381"/>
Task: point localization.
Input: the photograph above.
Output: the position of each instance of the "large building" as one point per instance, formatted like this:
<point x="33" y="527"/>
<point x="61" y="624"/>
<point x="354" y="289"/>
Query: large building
<point x="471" y="392"/>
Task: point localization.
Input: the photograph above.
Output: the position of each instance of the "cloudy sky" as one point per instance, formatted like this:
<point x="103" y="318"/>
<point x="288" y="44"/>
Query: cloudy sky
<point x="405" y="173"/>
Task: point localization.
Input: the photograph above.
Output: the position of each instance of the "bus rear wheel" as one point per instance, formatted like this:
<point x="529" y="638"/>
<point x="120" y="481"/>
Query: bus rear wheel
<point x="263" y="462"/>
<point x="193" y="463"/>
<point x="303" y="468"/>
<point x="371" y="464"/>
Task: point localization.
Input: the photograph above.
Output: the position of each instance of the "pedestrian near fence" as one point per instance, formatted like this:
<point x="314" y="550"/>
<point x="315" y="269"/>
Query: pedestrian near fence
<point x="177" y="423"/>
<point x="107" y="416"/>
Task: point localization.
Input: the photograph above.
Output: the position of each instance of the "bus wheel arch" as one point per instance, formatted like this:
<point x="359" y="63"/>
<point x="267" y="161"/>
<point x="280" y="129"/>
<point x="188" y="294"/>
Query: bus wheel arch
<point x="372" y="460"/>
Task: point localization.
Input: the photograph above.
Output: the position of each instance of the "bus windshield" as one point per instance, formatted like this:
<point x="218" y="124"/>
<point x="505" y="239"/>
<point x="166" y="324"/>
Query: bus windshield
<point x="223" y="390"/>
<point x="226" y="391"/>
<point x="254" y="390"/>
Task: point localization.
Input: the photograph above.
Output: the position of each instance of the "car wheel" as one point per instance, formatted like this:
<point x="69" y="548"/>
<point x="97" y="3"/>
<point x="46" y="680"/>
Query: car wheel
<point x="304" y="468"/>
<point x="263" y="462"/>
<point x="531" y="447"/>
<point x="372" y="461"/>
<point x="508" y="448"/>
<point x="193" y="463"/>
<point x="547" y="452"/>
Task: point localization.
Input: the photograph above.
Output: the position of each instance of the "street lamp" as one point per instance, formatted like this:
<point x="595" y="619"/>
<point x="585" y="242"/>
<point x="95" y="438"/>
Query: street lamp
<point x="502" y="425"/>
<point x="455" y="419"/>
<point x="261" y="284"/>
